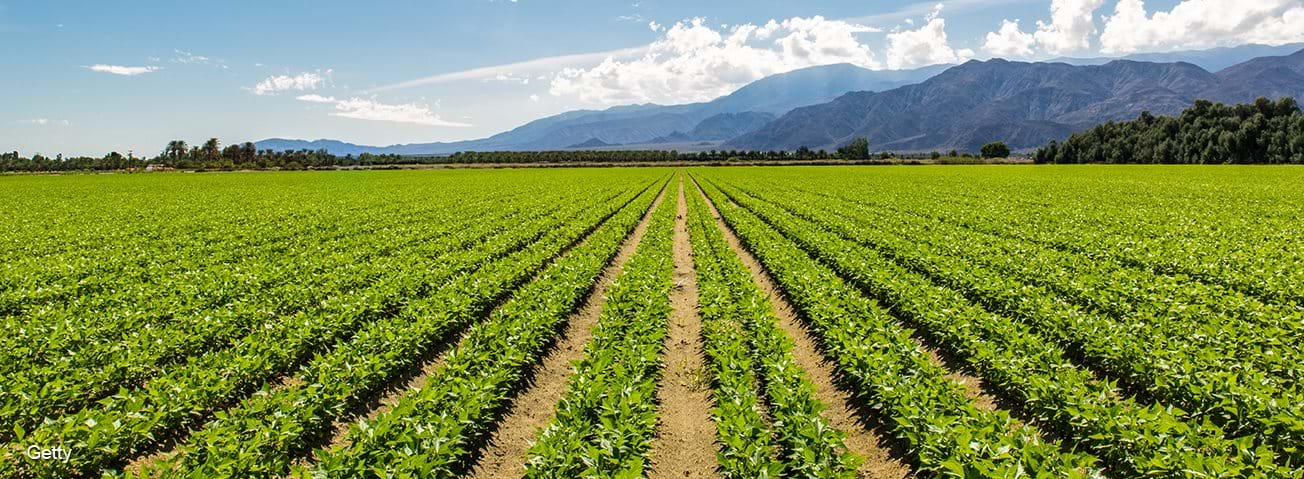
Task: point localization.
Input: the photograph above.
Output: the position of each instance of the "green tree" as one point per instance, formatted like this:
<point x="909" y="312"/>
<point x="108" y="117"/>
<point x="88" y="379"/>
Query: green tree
<point x="177" y="149"/>
<point x="857" y="149"/>
<point x="211" y="149"/>
<point x="996" y="149"/>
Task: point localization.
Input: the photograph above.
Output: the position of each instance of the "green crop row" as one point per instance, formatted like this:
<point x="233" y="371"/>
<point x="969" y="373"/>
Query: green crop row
<point x="433" y="431"/>
<point x="1205" y="322"/>
<point x="261" y="436"/>
<point x="605" y="422"/>
<point x="1230" y="228"/>
<point x="1210" y="369"/>
<point x="738" y="320"/>
<point x="1132" y="438"/>
<point x="131" y="260"/>
<point x="257" y="262"/>
<point x="32" y="396"/>
<point x="100" y="369"/>
<point x="943" y="430"/>
<point x="130" y="421"/>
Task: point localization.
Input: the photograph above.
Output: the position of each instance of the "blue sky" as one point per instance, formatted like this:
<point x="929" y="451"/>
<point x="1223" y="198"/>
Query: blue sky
<point x="87" y="77"/>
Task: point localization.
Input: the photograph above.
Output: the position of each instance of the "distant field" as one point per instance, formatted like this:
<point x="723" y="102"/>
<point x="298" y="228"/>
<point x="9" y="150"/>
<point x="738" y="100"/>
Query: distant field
<point x="839" y="321"/>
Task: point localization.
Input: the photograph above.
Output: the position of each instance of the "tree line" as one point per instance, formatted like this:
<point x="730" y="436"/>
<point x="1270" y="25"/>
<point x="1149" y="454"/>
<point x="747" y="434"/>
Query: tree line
<point x="854" y="150"/>
<point x="1264" y="131"/>
<point x="211" y="155"/>
<point x="208" y="156"/>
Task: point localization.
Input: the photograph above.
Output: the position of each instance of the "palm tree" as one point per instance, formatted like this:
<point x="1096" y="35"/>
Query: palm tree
<point x="177" y="149"/>
<point x="210" y="149"/>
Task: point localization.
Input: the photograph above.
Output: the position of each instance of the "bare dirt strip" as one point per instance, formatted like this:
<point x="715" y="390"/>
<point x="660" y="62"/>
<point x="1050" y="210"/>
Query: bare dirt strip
<point x="684" y="445"/>
<point x="975" y="388"/>
<point x="532" y="409"/>
<point x="416" y="380"/>
<point x="864" y="435"/>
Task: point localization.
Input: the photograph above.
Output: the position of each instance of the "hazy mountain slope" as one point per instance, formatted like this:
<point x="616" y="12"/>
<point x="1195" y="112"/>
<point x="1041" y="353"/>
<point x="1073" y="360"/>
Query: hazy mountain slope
<point x="779" y="94"/>
<point x="1213" y="59"/>
<point x="333" y="146"/>
<point x="1273" y="77"/>
<point x="1023" y="104"/>
<point x="776" y="94"/>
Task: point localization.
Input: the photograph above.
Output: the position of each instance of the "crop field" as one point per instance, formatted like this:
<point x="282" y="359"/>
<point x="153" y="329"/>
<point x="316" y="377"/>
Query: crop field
<point x="881" y="321"/>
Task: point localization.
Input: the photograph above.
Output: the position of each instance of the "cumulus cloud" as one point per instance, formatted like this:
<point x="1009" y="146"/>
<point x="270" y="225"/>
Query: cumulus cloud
<point x="1009" y="41"/>
<point x="694" y="62"/>
<point x="1202" y="24"/>
<point x="302" y="82"/>
<point x="926" y="45"/>
<point x="1071" y="28"/>
<point x="122" y="70"/>
<point x="370" y="109"/>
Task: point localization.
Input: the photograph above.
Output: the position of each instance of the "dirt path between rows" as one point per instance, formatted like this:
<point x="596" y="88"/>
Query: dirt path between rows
<point x="684" y="446"/>
<point x="864" y="437"/>
<point x="978" y="390"/>
<point x="414" y="381"/>
<point x="505" y="454"/>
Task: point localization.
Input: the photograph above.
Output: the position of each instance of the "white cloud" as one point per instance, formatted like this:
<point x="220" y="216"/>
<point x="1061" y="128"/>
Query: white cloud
<point x="508" y="78"/>
<point x="925" y="46"/>
<point x="122" y="70"/>
<point x="1202" y="24"/>
<point x="1009" y="41"/>
<point x="909" y="12"/>
<point x="315" y="98"/>
<point x="1071" y="26"/>
<point x="301" y="82"/>
<point x="654" y="26"/>
<point x="46" y="122"/>
<point x="189" y="58"/>
<point x="534" y="97"/>
<point x="370" y="109"/>
<point x="694" y="62"/>
<point x="538" y="65"/>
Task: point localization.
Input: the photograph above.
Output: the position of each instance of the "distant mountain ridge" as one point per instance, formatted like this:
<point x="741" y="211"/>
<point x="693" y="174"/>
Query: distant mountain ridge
<point x="1023" y="104"/>
<point x="931" y="108"/>
<point x="641" y="124"/>
<point x="1213" y="59"/>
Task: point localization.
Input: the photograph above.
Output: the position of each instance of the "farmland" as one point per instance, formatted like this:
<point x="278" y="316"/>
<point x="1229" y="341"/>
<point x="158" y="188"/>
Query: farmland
<point x="882" y="321"/>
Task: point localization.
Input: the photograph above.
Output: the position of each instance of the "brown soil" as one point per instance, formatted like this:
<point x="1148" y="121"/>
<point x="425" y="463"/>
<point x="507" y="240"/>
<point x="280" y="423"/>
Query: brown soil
<point x="864" y="437"/>
<point x="532" y="410"/>
<point x="975" y="388"/>
<point x="684" y="445"/>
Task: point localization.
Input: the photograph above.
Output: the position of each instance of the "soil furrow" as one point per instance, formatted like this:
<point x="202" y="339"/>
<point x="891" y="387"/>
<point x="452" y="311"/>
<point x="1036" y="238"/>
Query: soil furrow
<point x="975" y="388"/>
<point x="684" y="445"/>
<point x="504" y="456"/>
<point x="864" y="435"/>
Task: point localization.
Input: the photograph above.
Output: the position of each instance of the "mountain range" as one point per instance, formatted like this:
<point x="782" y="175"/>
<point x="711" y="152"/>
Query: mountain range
<point x="1023" y="104"/>
<point x="1213" y="59"/>
<point x="933" y="108"/>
